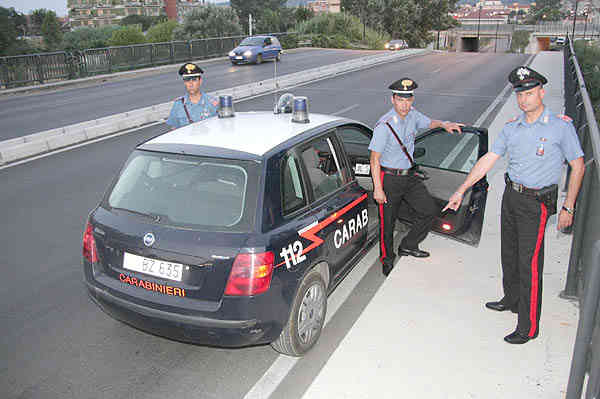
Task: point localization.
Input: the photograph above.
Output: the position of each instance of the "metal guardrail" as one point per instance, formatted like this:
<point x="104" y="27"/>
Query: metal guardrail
<point x="44" y="67"/>
<point x="583" y="276"/>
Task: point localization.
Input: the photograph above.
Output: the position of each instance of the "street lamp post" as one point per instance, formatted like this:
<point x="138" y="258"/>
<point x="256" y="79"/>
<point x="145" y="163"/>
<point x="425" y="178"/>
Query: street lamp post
<point x="585" y="26"/>
<point x="496" y="41"/>
<point x="478" y="24"/>
<point x="574" y="20"/>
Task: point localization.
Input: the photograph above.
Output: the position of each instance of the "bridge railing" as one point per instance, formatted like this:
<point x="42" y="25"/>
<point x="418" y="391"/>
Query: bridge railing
<point x="583" y="276"/>
<point x="44" y="67"/>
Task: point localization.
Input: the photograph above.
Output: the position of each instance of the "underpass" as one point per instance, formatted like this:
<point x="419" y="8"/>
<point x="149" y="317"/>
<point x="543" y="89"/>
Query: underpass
<point x="58" y="344"/>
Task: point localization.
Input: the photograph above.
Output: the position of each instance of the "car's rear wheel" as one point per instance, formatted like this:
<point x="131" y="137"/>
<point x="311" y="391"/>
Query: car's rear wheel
<point x="278" y="58"/>
<point x="259" y="59"/>
<point x="307" y="317"/>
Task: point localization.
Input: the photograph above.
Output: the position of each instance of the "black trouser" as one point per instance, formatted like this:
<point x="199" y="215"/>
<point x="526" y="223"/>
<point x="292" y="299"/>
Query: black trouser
<point x="523" y="225"/>
<point x="404" y="191"/>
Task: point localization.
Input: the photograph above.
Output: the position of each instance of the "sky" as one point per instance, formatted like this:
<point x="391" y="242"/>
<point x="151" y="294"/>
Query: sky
<point x="25" y="6"/>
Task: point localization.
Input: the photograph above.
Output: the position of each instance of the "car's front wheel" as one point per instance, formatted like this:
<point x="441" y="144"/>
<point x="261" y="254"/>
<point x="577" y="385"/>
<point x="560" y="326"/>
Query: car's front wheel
<point x="259" y="59"/>
<point x="307" y="317"/>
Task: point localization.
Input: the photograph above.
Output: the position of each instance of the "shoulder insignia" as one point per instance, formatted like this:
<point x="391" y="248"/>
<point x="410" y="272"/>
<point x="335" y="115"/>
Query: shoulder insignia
<point x="214" y="102"/>
<point x="514" y="118"/>
<point x="565" y="118"/>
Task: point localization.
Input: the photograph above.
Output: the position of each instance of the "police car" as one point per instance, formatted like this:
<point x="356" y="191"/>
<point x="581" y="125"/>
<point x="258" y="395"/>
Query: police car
<point x="234" y="230"/>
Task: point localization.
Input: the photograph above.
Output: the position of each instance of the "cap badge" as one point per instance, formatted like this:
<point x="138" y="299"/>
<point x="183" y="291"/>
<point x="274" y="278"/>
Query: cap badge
<point x="522" y="72"/>
<point x="190" y="68"/>
<point x="406" y="83"/>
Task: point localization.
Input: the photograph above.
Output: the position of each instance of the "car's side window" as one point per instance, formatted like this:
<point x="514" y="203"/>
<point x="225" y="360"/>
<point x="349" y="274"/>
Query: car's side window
<point x="458" y="152"/>
<point x="356" y="144"/>
<point x="322" y="166"/>
<point x="267" y="41"/>
<point x="292" y="190"/>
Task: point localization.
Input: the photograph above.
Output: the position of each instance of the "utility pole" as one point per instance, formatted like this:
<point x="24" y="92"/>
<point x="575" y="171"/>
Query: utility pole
<point x="496" y="41"/>
<point x="585" y="25"/>
<point x="478" y="24"/>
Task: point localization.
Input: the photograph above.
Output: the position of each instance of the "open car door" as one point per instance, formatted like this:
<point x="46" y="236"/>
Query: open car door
<point x="447" y="159"/>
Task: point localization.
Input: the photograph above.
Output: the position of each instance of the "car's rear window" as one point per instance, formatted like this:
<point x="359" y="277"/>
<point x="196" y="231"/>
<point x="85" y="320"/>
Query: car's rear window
<point x="252" y="41"/>
<point x="187" y="191"/>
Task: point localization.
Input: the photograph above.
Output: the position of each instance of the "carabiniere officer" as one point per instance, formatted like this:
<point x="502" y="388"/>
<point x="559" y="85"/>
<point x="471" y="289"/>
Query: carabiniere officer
<point x="394" y="181"/>
<point x="537" y="143"/>
<point x="195" y="105"/>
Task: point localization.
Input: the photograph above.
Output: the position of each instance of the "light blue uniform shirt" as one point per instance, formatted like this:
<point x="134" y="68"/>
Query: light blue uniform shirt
<point x="537" y="150"/>
<point x="385" y="143"/>
<point x="205" y="108"/>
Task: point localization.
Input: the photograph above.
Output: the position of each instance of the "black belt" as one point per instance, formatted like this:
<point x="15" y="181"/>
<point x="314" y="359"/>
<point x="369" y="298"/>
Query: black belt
<point x="396" y="172"/>
<point x="518" y="187"/>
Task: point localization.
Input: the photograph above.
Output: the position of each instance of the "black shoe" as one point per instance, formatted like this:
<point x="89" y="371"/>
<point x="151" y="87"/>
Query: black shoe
<point x="387" y="269"/>
<point x="501" y="307"/>
<point x="517" y="338"/>
<point x="417" y="253"/>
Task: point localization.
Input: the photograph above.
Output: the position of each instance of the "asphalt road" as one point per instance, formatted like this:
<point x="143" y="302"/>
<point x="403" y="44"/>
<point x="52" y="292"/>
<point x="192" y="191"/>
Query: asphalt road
<point x="57" y="344"/>
<point x="23" y="115"/>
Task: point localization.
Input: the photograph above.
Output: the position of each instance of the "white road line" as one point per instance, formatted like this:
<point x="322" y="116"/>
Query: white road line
<point x="280" y="368"/>
<point x="344" y="110"/>
<point x="456" y="150"/>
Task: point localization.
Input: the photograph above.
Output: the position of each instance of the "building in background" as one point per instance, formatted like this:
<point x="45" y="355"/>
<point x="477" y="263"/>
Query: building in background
<point x="323" y="6"/>
<point x="96" y="13"/>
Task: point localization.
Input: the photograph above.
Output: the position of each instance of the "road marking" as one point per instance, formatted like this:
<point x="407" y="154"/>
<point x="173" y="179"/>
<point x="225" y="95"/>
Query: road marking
<point x="344" y="110"/>
<point x="280" y="368"/>
<point x="456" y="151"/>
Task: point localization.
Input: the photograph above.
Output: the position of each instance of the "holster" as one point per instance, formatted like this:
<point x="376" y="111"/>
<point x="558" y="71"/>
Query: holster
<point x="419" y="173"/>
<point x="549" y="197"/>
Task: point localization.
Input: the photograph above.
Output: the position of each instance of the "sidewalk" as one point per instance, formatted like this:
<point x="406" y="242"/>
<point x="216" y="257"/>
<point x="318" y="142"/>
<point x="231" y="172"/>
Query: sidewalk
<point x="426" y="334"/>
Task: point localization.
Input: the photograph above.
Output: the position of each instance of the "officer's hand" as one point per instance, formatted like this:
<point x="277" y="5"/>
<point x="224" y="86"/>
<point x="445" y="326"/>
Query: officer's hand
<point x="379" y="196"/>
<point x="565" y="219"/>
<point x="454" y="202"/>
<point x="452" y="127"/>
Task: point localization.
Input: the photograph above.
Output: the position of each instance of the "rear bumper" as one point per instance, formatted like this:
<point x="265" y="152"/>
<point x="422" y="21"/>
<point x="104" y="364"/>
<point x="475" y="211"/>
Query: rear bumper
<point x="182" y="327"/>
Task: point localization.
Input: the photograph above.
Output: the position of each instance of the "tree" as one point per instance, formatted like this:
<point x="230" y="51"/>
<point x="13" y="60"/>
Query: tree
<point x="255" y="7"/>
<point x="51" y="31"/>
<point x="209" y="21"/>
<point x="520" y="40"/>
<point x="162" y="32"/>
<point x="88" y="37"/>
<point x="127" y="35"/>
<point x="37" y="20"/>
<point x="303" y="14"/>
<point x="275" y="21"/>
<point x="145" y="22"/>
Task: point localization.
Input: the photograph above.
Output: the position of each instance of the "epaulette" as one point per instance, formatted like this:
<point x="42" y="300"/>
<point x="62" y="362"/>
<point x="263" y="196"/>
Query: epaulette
<point x="512" y="119"/>
<point x="564" y="118"/>
<point x="383" y="121"/>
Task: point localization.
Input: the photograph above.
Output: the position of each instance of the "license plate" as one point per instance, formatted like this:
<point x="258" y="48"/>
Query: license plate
<point x="239" y="57"/>
<point x="154" y="267"/>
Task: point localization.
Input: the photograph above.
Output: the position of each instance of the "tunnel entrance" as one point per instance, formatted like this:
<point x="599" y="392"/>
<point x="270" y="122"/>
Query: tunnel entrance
<point x="469" y="44"/>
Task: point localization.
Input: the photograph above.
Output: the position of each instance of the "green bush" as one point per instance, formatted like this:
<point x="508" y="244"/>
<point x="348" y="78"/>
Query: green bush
<point x="340" y="31"/>
<point x="162" y="32"/>
<point x="588" y="57"/>
<point x="127" y="35"/>
<point x="289" y="41"/>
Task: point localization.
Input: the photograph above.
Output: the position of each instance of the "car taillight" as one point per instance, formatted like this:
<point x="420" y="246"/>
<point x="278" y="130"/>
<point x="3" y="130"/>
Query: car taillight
<point x="89" y="245"/>
<point x="251" y="274"/>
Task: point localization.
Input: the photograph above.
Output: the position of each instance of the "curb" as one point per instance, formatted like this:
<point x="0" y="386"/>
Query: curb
<point x="38" y="143"/>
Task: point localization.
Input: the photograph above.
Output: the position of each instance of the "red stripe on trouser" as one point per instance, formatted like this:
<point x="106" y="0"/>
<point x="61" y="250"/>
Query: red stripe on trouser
<point x="533" y="305"/>
<point x="381" y="242"/>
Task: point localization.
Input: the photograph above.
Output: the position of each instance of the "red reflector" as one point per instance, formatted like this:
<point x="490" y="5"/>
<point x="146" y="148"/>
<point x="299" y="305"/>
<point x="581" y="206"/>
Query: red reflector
<point x="251" y="274"/>
<point x="89" y="245"/>
<point x="447" y="226"/>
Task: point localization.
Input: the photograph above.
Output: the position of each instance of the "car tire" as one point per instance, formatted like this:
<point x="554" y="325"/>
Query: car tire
<point x="278" y="58"/>
<point x="259" y="59"/>
<point x="307" y="317"/>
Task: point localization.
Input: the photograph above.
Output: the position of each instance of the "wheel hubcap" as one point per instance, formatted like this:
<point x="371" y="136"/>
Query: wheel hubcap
<point x="310" y="316"/>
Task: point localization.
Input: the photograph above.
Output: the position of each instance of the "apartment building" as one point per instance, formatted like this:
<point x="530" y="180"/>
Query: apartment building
<point x="96" y="13"/>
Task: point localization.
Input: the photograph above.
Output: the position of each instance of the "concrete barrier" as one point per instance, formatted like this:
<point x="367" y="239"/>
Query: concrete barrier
<point x="34" y="144"/>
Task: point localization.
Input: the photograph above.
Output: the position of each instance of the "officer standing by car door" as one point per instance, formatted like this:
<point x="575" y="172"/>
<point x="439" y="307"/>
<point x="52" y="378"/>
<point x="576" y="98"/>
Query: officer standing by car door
<point x="394" y="180"/>
<point x="537" y="144"/>
<point x="195" y="105"/>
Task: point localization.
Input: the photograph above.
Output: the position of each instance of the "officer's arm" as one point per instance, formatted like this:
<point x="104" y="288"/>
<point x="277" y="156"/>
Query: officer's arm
<point x="575" y="179"/>
<point x="480" y="169"/>
<point x="447" y="126"/>
<point x="378" y="193"/>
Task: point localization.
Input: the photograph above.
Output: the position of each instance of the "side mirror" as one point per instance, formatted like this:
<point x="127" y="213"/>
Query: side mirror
<point x="419" y="152"/>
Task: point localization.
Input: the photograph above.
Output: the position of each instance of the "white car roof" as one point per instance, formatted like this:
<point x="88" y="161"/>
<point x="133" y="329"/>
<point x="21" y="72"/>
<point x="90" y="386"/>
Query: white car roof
<point x="251" y="132"/>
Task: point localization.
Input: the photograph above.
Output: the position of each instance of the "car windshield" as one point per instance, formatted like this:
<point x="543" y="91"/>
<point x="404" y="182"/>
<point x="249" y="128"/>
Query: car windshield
<point x="188" y="191"/>
<point x="252" y="41"/>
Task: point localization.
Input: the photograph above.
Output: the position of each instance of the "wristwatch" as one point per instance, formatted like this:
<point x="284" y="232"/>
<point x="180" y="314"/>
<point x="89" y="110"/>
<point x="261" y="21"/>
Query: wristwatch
<point x="570" y="211"/>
